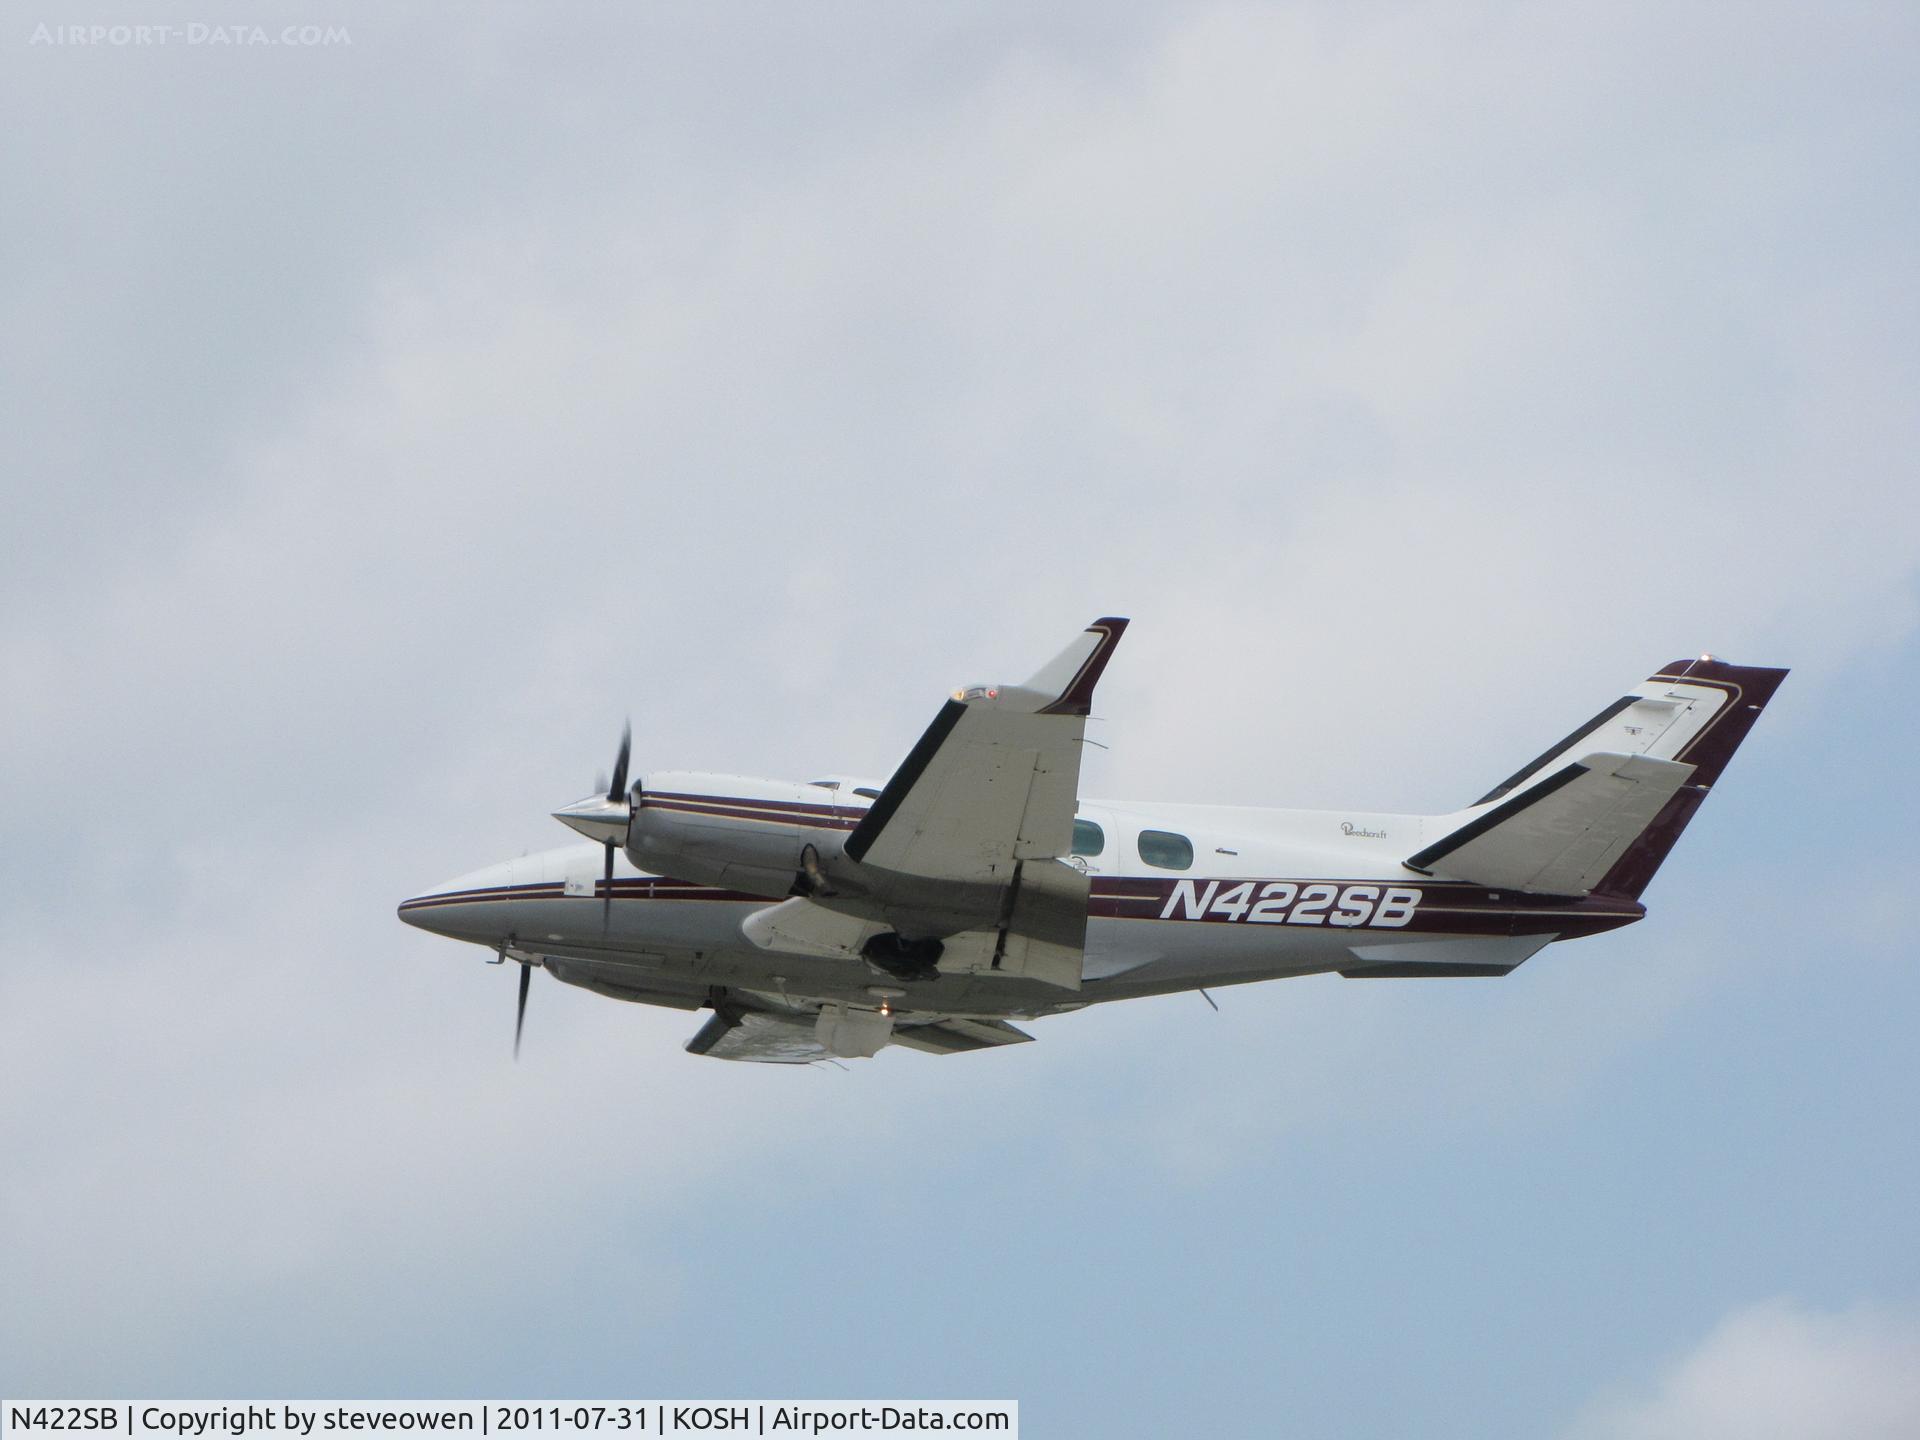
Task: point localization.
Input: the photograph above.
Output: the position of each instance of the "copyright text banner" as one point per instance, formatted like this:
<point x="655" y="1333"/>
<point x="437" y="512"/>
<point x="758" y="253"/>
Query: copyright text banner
<point x="518" y="1419"/>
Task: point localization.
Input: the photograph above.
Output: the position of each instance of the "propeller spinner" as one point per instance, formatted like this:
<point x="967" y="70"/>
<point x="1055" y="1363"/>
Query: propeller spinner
<point x="605" y="818"/>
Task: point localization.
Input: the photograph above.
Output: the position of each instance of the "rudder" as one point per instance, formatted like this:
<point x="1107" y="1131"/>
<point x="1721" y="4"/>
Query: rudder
<point x="1747" y="689"/>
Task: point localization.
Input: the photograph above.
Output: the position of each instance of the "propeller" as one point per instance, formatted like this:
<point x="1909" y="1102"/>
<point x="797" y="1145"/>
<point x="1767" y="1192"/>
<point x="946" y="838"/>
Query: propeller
<point x="604" y="819"/>
<point x="616" y="795"/>
<point x="520" y="1015"/>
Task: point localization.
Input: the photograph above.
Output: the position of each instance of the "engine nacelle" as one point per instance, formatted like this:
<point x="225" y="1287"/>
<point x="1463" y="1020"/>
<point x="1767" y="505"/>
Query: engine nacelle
<point x="738" y="831"/>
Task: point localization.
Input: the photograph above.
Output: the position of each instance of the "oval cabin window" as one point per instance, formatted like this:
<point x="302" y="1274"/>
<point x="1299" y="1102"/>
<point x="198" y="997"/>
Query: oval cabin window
<point x="1166" y="849"/>
<point x="1088" y="838"/>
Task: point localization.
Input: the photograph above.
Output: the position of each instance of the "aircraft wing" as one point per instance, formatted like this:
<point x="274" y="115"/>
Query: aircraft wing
<point x="966" y="842"/>
<point x="757" y="1035"/>
<point x="794" y="1038"/>
<point x="996" y="777"/>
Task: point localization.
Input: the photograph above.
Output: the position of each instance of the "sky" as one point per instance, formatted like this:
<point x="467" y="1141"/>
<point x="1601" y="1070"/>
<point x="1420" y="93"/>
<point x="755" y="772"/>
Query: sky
<point x="385" y="421"/>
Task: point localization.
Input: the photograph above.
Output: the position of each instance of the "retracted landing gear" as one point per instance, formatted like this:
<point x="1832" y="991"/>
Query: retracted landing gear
<point x="810" y="880"/>
<point x="893" y="954"/>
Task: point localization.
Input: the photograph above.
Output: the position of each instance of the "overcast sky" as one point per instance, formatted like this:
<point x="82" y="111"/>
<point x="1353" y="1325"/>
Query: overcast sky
<point x="384" y="421"/>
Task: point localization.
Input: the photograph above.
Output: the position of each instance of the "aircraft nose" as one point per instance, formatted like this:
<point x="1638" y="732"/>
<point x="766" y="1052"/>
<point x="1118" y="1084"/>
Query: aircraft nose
<point x="419" y="910"/>
<point x="475" y="906"/>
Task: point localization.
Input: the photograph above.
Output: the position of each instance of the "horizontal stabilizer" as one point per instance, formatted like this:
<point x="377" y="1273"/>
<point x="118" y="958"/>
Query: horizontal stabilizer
<point x="1420" y="959"/>
<point x="1561" y="835"/>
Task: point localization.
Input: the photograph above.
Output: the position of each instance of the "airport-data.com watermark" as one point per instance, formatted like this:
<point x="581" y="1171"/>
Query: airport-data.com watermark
<point x="196" y="34"/>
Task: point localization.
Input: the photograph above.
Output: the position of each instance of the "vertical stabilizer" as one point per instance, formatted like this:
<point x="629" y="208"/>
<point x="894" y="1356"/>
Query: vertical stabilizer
<point x="1710" y="745"/>
<point x="1598" y="812"/>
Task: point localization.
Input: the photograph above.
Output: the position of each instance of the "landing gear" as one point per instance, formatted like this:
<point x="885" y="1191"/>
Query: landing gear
<point x="811" y="878"/>
<point x="903" y="959"/>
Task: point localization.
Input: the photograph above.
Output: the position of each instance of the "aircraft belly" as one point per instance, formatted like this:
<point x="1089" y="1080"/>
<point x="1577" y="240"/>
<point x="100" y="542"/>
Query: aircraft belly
<point x="697" y="941"/>
<point x="700" y="926"/>
<point x="853" y="982"/>
<point x="1125" y="950"/>
<point x="1127" y="958"/>
<point x="701" y="941"/>
<point x="1120" y="955"/>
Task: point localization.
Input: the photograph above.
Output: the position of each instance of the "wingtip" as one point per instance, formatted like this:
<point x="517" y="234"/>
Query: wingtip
<point x="1077" y="697"/>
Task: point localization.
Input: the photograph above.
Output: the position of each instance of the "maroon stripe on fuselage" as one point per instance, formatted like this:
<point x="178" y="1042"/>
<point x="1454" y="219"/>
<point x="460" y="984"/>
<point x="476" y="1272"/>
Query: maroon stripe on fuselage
<point x="1444" y="908"/>
<point x="480" y="897"/>
<point x="623" y="889"/>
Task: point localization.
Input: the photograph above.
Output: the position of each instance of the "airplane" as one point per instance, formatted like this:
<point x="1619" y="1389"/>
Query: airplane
<point x="975" y="888"/>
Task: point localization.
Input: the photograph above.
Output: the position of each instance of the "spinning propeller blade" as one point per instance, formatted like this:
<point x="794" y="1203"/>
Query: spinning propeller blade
<point x="605" y="819"/>
<point x="606" y="892"/>
<point x="617" y="791"/>
<point x="616" y="795"/>
<point x="520" y="1015"/>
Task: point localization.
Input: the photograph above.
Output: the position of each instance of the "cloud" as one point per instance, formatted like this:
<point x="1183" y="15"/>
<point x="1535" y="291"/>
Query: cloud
<point x="1779" y="1369"/>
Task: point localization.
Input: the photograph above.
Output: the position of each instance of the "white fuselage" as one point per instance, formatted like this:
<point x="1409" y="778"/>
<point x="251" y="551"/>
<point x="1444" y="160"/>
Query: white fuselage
<point x="1182" y="896"/>
<point x="975" y="886"/>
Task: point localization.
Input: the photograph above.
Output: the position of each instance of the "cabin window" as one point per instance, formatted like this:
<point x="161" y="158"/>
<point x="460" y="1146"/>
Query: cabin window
<point x="1166" y="849"/>
<point x="1088" y="838"/>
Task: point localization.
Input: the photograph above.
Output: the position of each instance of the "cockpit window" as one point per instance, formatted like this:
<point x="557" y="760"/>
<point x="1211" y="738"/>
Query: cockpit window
<point x="826" y="784"/>
<point x="1166" y="849"/>
<point x="1088" y="838"/>
<point x="866" y="790"/>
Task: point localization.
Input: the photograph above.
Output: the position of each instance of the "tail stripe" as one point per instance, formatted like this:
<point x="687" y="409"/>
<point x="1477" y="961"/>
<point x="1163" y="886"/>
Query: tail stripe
<point x="1709" y="761"/>
<point x="1748" y="689"/>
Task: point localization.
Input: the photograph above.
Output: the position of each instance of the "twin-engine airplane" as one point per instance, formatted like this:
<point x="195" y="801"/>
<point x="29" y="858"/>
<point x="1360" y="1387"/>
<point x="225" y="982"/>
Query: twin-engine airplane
<point x="976" y="888"/>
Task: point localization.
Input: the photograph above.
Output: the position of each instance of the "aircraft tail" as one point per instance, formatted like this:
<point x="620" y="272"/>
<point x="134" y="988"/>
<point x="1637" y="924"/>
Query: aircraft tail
<point x="1599" y="812"/>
